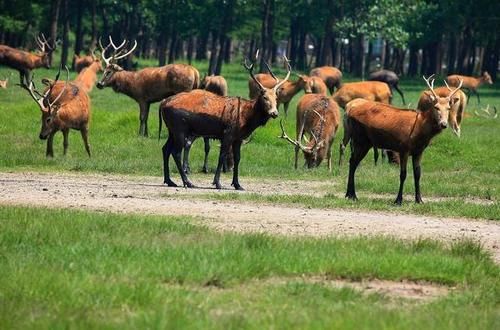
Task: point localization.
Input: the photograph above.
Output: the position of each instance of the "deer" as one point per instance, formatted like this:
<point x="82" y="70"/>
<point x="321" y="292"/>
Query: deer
<point x="285" y="94"/>
<point x="390" y="78"/>
<point x="317" y="86"/>
<point x="64" y="106"/>
<point x="25" y="62"/>
<point x="148" y="85"/>
<point x="457" y="110"/>
<point x="331" y="76"/>
<point x="3" y="83"/>
<point x="229" y="119"/>
<point x="81" y="62"/>
<point x="318" y="117"/>
<point x="374" y="124"/>
<point x="218" y="86"/>
<point x="470" y="83"/>
<point x="88" y="76"/>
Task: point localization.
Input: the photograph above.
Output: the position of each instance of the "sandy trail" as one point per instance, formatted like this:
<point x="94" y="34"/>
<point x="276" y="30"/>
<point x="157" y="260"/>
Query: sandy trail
<point x="146" y="195"/>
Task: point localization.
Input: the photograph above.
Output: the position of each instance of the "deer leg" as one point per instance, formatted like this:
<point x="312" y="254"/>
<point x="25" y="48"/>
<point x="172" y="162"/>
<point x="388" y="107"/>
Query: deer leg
<point x="206" y="141"/>
<point x="402" y="177"/>
<point x="224" y="148"/>
<point x="285" y="107"/>
<point x="167" y="150"/>
<point x="144" y="112"/>
<point x="236" y="149"/>
<point x="187" y="148"/>
<point x="65" y="141"/>
<point x="85" y="138"/>
<point x="416" y="176"/>
<point x="375" y="155"/>
<point x="478" y="98"/>
<point x="329" y="156"/>
<point x="177" y="146"/>
<point x="229" y="163"/>
<point x="396" y="87"/>
<point x="359" y="152"/>
<point x="50" y="141"/>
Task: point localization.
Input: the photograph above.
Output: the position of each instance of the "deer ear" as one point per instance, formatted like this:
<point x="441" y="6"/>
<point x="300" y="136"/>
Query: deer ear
<point x="454" y="100"/>
<point x="430" y="95"/>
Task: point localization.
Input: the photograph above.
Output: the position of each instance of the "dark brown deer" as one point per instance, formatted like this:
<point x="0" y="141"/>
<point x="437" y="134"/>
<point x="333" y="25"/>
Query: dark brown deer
<point x="318" y="117"/>
<point x="81" y="62"/>
<point x="25" y="62"/>
<point x="148" y="85"/>
<point x="373" y="124"/>
<point x="64" y="106"/>
<point x="470" y="83"/>
<point x="331" y="76"/>
<point x="229" y="119"/>
<point x="390" y="78"/>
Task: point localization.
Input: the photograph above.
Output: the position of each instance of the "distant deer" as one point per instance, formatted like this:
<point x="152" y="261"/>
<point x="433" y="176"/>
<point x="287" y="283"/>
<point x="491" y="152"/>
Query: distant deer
<point x="82" y="62"/>
<point x="426" y="103"/>
<point x="229" y="119"/>
<point x="390" y="78"/>
<point x="3" y="83"/>
<point x="317" y="86"/>
<point x="64" y="106"/>
<point x="380" y="125"/>
<point x="470" y="83"/>
<point x="147" y="85"/>
<point x="318" y="117"/>
<point x="88" y="76"/>
<point x="287" y="91"/>
<point x="25" y="62"/>
<point x="214" y="84"/>
<point x="331" y="76"/>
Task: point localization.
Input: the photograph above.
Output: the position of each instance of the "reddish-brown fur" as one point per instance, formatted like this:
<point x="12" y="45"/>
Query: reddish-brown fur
<point x="368" y="90"/>
<point x="23" y="61"/>
<point x="287" y="91"/>
<point x="456" y="111"/>
<point x="369" y="123"/>
<point x="318" y="117"/>
<point x="81" y="62"/>
<point x="470" y="83"/>
<point x="215" y="84"/>
<point x="331" y="76"/>
<point x="317" y="86"/>
<point x="88" y="76"/>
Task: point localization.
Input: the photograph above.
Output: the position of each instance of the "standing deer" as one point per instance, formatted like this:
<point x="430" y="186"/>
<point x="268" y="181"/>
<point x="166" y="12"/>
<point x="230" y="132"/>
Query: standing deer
<point x="25" y="62"/>
<point x="390" y="78"/>
<point x="147" y="85"/>
<point x="318" y="117"/>
<point x="470" y="83"/>
<point x="229" y="119"/>
<point x="81" y="62"/>
<point x="380" y="125"/>
<point x="64" y="106"/>
<point x="285" y="94"/>
<point x="331" y="76"/>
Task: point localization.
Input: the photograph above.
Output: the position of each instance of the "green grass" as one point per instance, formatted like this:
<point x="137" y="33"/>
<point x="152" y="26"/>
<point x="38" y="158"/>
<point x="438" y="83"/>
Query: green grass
<point x="466" y="168"/>
<point x="68" y="269"/>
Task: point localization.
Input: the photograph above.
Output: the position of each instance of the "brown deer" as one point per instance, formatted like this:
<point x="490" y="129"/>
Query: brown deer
<point x="88" y="76"/>
<point x="331" y="76"/>
<point x="369" y="123"/>
<point x="426" y="103"/>
<point x="318" y="117"/>
<point x="470" y="83"/>
<point x="285" y="94"/>
<point x="390" y="78"/>
<point x="25" y="62"/>
<point x="214" y="84"/>
<point x="3" y="83"/>
<point x="317" y="86"/>
<point x="64" y="106"/>
<point x="81" y="62"/>
<point x="147" y="85"/>
<point x="229" y="119"/>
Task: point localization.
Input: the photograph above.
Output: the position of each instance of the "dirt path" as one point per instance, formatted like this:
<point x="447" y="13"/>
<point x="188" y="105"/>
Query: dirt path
<point x="145" y="195"/>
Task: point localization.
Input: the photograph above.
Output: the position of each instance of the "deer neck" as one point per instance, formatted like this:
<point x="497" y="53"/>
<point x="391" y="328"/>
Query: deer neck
<point x="289" y="90"/>
<point x="124" y="82"/>
<point x="252" y="114"/>
<point x="424" y="128"/>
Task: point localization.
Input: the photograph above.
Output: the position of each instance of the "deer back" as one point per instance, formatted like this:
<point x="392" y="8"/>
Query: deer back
<point x="368" y="90"/>
<point x="20" y="59"/>
<point x="215" y="84"/>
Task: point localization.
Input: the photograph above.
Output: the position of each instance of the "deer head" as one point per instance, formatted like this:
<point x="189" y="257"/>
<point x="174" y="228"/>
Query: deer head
<point x="487" y="78"/>
<point x="112" y="67"/>
<point x="48" y="104"/>
<point x="442" y="105"/>
<point x="45" y="49"/>
<point x="268" y="96"/>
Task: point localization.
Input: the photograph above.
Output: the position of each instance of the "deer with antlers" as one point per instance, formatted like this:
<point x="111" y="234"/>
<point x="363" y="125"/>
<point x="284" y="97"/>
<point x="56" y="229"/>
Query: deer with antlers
<point x="148" y="85"/>
<point x="470" y="83"/>
<point x="25" y="62"/>
<point x="229" y="119"/>
<point x="318" y="117"/>
<point x="331" y="76"/>
<point x="64" y="106"/>
<point x="380" y="125"/>
<point x="81" y="62"/>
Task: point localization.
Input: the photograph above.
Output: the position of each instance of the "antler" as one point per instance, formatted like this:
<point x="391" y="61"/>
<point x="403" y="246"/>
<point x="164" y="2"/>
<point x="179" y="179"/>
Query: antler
<point x="294" y="142"/>
<point x="289" y="69"/>
<point x="456" y="89"/>
<point x="486" y="112"/>
<point x="118" y="51"/>
<point x="250" y="69"/>
<point x="431" y="84"/>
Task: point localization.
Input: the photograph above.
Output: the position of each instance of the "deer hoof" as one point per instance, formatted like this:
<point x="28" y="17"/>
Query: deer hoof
<point x="204" y="170"/>
<point x="237" y="186"/>
<point x="188" y="184"/>
<point x="419" y="200"/>
<point x="352" y="197"/>
<point x="218" y="185"/>
<point x="170" y="183"/>
<point x="398" y="202"/>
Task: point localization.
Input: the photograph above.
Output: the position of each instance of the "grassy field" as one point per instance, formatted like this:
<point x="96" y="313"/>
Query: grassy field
<point x="468" y="167"/>
<point x="68" y="269"/>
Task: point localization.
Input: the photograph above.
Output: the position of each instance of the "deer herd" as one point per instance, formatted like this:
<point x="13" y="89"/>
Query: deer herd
<point x="192" y="107"/>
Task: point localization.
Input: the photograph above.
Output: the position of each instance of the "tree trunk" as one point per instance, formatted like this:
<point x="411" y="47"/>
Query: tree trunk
<point x="78" y="32"/>
<point x="65" y="43"/>
<point x="201" y="48"/>
<point x="228" y="50"/>
<point x="267" y="33"/>
<point x="325" y="55"/>
<point x="93" y="20"/>
<point x="213" y="54"/>
<point x="162" y="50"/>
<point x="413" y="63"/>
<point x="54" y="16"/>
<point x="452" y="53"/>
<point x="190" y="49"/>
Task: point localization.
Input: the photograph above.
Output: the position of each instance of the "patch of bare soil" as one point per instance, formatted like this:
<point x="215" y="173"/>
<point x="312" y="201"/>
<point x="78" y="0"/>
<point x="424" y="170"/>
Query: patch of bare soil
<point x="146" y="195"/>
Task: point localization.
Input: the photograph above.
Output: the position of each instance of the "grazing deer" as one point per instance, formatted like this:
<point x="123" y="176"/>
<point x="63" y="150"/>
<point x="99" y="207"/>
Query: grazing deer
<point x="331" y="76"/>
<point x="285" y="94"/>
<point x="147" y="85"/>
<point x="3" y="83"/>
<point x="318" y="117"/>
<point x="25" y="62"/>
<point x="390" y="78"/>
<point x="214" y="84"/>
<point x="470" y="83"/>
<point x="426" y="103"/>
<point x="380" y="125"/>
<point x="229" y="119"/>
<point x="81" y="62"/>
<point x="64" y="106"/>
<point x="317" y="86"/>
